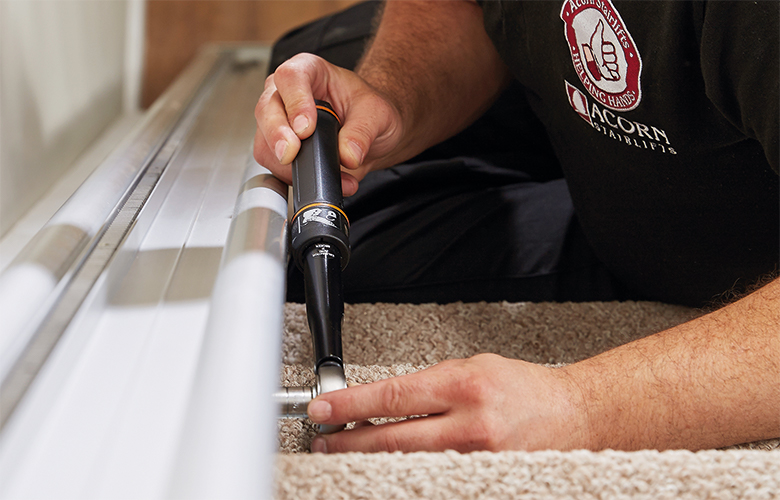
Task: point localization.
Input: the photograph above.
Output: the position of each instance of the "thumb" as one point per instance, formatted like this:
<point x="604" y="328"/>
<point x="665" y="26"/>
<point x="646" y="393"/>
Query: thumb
<point x="355" y="139"/>
<point x="352" y="149"/>
<point x="368" y="131"/>
<point x="596" y="40"/>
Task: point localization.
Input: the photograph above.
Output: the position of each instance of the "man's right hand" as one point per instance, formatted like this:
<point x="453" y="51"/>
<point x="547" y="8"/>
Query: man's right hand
<point x="286" y="114"/>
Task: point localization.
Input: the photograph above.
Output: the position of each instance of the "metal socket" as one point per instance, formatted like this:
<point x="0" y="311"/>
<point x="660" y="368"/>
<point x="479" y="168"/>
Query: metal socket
<point x="293" y="402"/>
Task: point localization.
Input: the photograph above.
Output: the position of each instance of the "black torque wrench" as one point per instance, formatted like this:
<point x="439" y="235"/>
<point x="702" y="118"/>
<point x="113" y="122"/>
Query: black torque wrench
<point x="319" y="234"/>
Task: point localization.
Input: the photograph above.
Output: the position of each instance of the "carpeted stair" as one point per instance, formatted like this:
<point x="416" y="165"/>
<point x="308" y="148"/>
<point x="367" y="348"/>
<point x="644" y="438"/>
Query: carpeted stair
<point x="384" y="340"/>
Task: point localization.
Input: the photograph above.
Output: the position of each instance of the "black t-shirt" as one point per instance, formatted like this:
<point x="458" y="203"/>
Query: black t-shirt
<point x="664" y="116"/>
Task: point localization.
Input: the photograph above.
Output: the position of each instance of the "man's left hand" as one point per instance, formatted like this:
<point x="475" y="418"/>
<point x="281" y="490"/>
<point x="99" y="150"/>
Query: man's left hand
<point x="486" y="402"/>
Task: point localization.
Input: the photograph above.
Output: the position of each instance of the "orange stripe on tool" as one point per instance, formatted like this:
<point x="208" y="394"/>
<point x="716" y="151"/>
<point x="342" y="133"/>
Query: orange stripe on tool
<point x="331" y="112"/>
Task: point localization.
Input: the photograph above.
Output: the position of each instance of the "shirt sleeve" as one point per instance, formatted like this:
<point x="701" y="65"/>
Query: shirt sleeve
<point x="740" y="63"/>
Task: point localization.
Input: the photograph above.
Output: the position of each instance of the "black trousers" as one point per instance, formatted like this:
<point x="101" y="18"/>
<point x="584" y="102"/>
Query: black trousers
<point x="466" y="230"/>
<point x="484" y="216"/>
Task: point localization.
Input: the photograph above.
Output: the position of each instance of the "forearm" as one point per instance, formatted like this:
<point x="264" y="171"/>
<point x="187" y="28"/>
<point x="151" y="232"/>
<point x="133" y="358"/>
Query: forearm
<point x="707" y="383"/>
<point x="436" y="64"/>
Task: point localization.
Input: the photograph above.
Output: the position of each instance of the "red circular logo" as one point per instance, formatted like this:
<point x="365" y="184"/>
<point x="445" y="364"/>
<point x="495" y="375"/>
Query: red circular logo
<point x="603" y="53"/>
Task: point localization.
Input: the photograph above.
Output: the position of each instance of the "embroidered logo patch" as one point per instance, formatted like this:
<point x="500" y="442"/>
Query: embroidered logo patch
<point x="603" y="53"/>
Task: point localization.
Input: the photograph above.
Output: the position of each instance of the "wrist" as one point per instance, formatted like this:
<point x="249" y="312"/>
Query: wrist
<point x="400" y="102"/>
<point x="575" y="418"/>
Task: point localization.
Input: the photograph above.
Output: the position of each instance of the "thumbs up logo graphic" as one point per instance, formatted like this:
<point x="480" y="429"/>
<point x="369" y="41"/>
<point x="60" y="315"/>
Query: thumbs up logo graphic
<point x="601" y="57"/>
<point x="603" y="53"/>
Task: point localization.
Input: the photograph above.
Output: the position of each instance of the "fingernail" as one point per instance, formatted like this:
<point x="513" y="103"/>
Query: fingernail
<point x="280" y="149"/>
<point x="357" y="151"/>
<point x="300" y="124"/>
<point x="319" y="411"/>
<point x="318" y="445"/>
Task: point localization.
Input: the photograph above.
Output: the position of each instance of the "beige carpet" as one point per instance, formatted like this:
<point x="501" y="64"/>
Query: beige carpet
<point x="378" y="337"/>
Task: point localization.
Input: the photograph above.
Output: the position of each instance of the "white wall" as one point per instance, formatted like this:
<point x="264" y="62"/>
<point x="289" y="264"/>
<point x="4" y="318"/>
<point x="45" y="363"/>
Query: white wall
<point x="63" y="66"/>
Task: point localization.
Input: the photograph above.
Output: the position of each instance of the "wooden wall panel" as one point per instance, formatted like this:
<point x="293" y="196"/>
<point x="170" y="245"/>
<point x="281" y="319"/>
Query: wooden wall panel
<point x="176" y="29"/>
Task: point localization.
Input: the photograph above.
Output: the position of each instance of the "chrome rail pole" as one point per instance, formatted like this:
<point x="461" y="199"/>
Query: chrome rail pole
<point x="229" y="437"/>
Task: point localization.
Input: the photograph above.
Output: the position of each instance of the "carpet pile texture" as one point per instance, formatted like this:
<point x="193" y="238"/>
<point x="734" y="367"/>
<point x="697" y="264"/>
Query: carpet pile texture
<point x="385" y="340"/>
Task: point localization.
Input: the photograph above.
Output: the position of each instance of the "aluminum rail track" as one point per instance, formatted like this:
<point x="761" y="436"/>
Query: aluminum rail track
<point x="45" y="284"/>
<point x="143" y="363"/>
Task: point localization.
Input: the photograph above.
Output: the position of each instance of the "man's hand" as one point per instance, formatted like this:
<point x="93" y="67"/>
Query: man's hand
<point x="483" y="403"/>
<point x="285" y="114"/>
<point x="430" y="71"/>
<point x="708" y="383"/>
